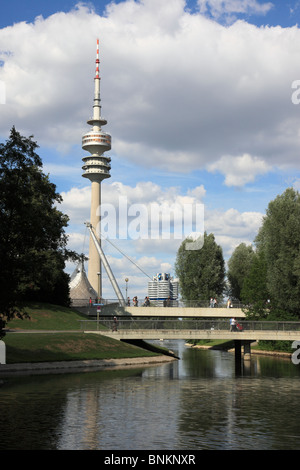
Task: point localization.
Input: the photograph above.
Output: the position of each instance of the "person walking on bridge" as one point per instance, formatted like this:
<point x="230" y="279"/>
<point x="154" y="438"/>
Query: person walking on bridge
<point x="115" y="324"/>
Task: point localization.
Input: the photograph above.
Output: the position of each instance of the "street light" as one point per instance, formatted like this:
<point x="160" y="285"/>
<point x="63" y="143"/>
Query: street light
<point x="99" y="301"/>
<point x="126" y="280"/>
<point x="99" y="293"/>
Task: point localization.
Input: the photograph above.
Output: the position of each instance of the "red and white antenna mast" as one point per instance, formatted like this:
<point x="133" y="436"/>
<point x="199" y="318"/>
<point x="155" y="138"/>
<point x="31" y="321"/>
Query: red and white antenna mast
<point x="97" y="61"/>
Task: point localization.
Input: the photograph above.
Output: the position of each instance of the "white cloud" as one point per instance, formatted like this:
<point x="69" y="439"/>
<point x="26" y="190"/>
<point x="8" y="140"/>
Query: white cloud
<point x="296" y="184"/>
<point x="218" y="8"/>
<point x="234" y="223"/>
<point x="240" y="170"/>
<point x="76" y="204"/>
<point x="230" y="227"/>
<point x="233" y="227"/>
<point x="179" y="90"/>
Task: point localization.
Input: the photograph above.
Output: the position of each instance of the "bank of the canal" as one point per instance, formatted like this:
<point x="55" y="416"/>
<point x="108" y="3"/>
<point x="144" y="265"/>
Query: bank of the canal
<point x="220" y="345"/>
<point x="49" y="339"/>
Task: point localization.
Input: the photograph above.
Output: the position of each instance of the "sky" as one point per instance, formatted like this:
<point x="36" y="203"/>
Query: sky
<point x="202" y="100"/>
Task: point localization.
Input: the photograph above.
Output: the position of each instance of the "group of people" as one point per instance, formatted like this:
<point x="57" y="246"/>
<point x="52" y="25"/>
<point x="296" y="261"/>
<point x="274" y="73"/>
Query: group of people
<point x="135" y="302"/>
<point x="96" y="301"/>
<point x="213" y="303"/>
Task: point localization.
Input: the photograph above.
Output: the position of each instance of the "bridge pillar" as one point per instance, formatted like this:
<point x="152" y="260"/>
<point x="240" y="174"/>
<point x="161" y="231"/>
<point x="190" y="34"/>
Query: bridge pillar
<point x="247" y="350"/>
<point x="238" y="356"/>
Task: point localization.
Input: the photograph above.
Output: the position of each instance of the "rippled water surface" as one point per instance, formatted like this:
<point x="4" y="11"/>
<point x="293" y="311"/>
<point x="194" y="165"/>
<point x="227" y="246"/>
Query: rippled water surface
<point x="196" y="403"/>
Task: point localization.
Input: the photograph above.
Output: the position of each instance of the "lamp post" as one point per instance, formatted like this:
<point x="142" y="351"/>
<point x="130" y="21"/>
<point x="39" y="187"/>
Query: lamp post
<point x="99" y="301"/>
<point x="126" y="280"/>
<point x="99" y="281"/>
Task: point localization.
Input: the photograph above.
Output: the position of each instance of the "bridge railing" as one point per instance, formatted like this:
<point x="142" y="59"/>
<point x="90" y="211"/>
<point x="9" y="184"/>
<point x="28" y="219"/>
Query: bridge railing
<point x="153" y="303"/>
<point x="186" y="324"/>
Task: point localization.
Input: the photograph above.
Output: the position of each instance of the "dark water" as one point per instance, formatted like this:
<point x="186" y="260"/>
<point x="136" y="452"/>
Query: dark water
<point x="195" y="403"/>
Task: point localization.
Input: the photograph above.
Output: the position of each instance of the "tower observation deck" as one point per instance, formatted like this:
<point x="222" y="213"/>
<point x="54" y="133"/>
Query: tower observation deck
<point x="96" y="167"/>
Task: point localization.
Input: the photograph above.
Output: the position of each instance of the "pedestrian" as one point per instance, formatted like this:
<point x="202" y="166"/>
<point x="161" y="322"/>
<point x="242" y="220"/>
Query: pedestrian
<point x="232" y="324"/>
<point x="228" y="303"/>
<point x="128" y="301"/>
<point x="211" y="302"/>
<point x="115" y="324"/>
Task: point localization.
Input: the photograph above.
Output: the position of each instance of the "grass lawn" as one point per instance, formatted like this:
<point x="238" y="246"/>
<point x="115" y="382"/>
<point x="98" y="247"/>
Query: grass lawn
<point x="61" y="346"/>
<point x="48" y="317"/>
<point x="47" y="347"/>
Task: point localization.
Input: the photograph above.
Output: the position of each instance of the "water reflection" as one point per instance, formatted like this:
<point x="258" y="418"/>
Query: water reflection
<point x="195" y="403"/>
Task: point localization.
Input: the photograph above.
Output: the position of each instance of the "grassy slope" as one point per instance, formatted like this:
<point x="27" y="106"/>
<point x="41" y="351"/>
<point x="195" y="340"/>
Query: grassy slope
<point x="61" y="346"/>
<point x="48" y="317"/>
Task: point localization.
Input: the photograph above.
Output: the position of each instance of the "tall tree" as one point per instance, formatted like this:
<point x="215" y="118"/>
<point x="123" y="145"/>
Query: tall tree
<point x="254" y="293"/>
<point x="279" y="240"/>
<point x="239" y="266"/>
<point x="33" y="242"/>
<point x="201" y="273"/>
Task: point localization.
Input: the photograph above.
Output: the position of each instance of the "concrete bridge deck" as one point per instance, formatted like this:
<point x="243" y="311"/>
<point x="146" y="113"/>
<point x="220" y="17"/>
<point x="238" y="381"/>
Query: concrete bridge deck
<point x="184" y="312"/>
<point x="189" y="329"/>
<point x="194" y="334"/>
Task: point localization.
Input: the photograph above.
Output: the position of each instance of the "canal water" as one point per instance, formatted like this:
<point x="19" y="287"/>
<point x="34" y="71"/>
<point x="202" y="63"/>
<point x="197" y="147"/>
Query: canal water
<point x="195" y="403"/>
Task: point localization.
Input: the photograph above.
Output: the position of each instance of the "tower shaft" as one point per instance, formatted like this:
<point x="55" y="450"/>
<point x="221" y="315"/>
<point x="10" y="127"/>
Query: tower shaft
<point x="96" y="168"/>
<point x="94" y="268"/>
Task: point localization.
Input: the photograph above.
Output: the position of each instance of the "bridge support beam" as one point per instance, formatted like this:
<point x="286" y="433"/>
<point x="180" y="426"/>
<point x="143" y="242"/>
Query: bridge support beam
<point x="238" y="356"/>
<point x="247" y="350"/>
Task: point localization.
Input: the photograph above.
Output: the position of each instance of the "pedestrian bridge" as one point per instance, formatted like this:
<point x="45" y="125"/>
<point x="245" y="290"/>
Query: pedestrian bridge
<point x="167" y="312"/>
<point x="128" y="329"/>
<point x="183" y="312"/>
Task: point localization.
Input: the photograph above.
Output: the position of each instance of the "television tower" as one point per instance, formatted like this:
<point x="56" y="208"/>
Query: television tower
<point x="96" y="168"/>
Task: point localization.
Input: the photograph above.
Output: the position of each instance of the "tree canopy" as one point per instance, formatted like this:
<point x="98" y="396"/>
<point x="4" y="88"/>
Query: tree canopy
<point x="265" y="277"/>
<point x="33" y="241"/>
<point x="254" y="291"/>
<point x="239" y="266"/>
<point x="278" y="259"/>
<point x="201" y="273"/>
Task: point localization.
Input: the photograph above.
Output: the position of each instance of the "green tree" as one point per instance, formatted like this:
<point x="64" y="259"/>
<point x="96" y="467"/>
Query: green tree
<point x="254" y="293"/>
<point x="272" y="287"/>
<point x="33" y="242"/>
<point x="201" y="273"/>
<point x="279" y="239"/>
<point x="239" y="266"/>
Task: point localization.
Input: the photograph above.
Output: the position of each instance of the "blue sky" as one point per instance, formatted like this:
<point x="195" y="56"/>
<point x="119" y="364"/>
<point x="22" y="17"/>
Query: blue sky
<point x="198" y="98"/>
<point x="283" y="13"/>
